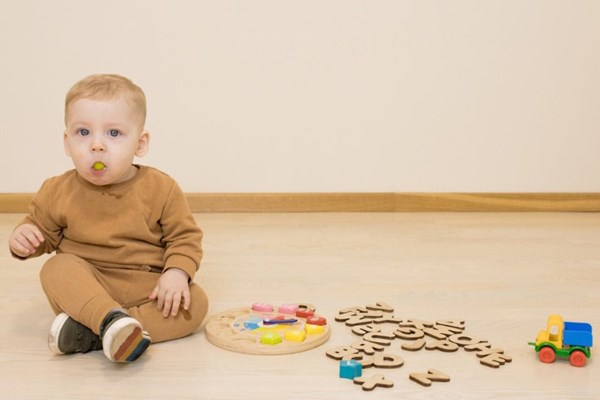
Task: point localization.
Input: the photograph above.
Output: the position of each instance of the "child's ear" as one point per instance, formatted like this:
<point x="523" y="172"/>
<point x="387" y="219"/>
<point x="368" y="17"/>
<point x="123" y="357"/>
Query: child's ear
<point x="67" y="150"/>
<point x="143" y="143"/>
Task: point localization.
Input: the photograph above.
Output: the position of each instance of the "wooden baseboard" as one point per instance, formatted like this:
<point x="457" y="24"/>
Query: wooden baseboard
<point x="367" y="202"/>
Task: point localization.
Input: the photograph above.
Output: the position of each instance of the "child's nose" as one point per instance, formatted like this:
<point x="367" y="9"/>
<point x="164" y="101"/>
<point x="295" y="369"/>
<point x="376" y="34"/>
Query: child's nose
<point x="98" y="144"/>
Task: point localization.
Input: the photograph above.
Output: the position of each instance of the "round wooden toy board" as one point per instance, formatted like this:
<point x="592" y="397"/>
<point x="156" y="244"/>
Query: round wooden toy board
<point x="241" y="330"/>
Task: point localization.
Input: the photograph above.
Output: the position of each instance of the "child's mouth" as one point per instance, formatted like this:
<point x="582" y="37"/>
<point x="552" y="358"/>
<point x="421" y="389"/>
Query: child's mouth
<point x="99" y="166"/>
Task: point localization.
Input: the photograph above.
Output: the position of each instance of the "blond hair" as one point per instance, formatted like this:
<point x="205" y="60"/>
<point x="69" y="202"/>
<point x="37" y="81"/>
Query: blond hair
<point x="108" y="86"/>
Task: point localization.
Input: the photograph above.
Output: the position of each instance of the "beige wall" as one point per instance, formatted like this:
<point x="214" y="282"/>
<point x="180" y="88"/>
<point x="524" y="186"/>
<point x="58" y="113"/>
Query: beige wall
<point x="295" y="96"/>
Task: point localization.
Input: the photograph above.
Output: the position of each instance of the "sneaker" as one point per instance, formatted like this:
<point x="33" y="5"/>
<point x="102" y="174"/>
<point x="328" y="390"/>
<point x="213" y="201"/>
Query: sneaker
<point x="68" y="336"/>
<point x="123" y="338"/>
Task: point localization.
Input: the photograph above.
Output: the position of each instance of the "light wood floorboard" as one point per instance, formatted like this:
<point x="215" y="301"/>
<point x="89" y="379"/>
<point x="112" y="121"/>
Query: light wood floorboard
<point x="502" y="273"/>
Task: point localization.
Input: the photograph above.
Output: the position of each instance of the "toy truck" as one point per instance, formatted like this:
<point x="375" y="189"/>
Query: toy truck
<point x="572" y="340"/>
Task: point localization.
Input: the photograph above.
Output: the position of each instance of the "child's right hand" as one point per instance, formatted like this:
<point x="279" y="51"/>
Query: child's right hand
<point x="25" y="239"/>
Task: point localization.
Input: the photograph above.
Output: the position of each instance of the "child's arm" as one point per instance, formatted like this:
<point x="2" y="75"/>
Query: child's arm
<point x="25" y="240"/>
<point x="183" y="251"/>
<point x="172" y="288"/>
<point x="39" y="232"/>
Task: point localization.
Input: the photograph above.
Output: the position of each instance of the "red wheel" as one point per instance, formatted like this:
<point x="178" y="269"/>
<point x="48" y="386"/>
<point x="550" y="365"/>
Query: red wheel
<point x="577" y="358"/>
<point x="547" y="355"/>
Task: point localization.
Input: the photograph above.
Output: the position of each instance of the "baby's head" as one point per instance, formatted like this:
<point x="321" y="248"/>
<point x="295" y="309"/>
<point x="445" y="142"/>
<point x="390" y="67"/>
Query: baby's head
<point x="107" y="87"/>
<point x="104" y="118"/>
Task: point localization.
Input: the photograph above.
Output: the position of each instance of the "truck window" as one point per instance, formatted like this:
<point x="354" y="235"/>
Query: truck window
<point x="554" y="332"/>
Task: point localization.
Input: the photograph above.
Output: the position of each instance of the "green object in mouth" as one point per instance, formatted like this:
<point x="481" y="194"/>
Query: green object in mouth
<point x="98" y="166"/>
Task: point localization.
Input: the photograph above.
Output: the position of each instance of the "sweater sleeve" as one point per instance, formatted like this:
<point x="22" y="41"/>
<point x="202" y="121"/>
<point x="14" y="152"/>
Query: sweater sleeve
<point x="40" y="216"/>
<point x="181" y="235"/>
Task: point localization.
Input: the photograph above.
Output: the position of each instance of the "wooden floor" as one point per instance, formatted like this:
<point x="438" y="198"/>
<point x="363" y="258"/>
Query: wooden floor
<point x="503" y="274"/>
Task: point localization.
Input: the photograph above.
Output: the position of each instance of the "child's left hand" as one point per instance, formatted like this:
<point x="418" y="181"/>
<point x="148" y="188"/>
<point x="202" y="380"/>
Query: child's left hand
<point x="171" y="289"/>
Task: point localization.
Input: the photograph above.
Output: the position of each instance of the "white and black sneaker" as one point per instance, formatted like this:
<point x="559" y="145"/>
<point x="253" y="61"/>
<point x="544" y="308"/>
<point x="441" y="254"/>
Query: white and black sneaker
<point x="68" y="336"/>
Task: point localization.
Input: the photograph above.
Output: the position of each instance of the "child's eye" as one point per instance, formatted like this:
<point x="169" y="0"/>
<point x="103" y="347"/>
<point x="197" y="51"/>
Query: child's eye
<point x="83" y="132"/>
<point x="114" y="133"/>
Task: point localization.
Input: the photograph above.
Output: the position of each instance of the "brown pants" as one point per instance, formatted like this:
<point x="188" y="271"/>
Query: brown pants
<point x="87" y="293"/>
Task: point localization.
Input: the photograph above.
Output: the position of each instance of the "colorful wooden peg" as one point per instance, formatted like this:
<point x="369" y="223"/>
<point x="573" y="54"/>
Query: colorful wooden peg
<point x="314" y="320"/>
<point x="271" y="338"/>
<point x="289" y="309"/>
<point x="314" y="329"/>
<point x="350" y="369"/>
<point x="262" y="307"/>
<point x="305" y="313"/>
<point x="296" y="335"/>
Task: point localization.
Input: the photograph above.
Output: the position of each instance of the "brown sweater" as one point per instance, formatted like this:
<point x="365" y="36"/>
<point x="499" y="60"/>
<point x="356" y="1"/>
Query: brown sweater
<point x="145" y="221"/>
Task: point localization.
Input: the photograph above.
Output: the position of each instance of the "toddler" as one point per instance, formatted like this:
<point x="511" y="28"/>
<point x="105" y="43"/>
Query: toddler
<point x="127" y="245"/>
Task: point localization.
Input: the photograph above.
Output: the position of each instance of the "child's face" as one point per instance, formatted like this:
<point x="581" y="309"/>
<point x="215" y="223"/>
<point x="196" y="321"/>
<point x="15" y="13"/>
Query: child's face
<point x="102" y="137"/>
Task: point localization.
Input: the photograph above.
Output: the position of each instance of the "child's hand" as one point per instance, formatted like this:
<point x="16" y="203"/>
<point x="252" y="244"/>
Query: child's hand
<point x="172" y="287"/>
<point x="25" y="239"/>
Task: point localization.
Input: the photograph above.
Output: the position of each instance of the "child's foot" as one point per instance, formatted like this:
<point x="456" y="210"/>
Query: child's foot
<point x="123" y="338"/>
<point x="68" y="336"/>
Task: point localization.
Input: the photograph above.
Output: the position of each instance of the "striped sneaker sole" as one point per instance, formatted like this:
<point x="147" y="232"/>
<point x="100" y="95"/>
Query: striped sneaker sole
<point x="125" y="340"/>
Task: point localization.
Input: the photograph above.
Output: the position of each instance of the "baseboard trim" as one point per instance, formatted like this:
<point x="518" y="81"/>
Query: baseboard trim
<point x="367" y="202"/>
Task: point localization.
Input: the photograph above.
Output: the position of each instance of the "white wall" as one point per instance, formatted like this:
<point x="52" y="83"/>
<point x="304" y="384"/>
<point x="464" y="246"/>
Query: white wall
<point x="319" y="95"/>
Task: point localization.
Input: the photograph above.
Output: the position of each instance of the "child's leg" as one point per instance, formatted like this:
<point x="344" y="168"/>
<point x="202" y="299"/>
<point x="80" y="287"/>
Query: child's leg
<point x="88" y="314"/>
<point x="88" y="293"/>
<point x="75" y="287"/>
<point x="186" y="322"/>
